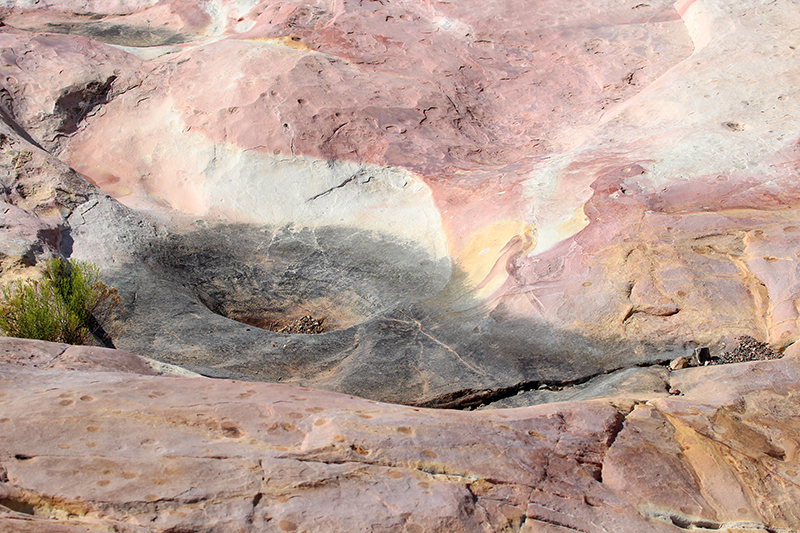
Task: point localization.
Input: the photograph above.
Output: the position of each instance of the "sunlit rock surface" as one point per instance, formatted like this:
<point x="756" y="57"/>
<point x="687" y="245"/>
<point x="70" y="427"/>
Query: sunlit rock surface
<point x="491" y="204"/>
<point x="95" y="439"/>
<point x="477" y="197"/>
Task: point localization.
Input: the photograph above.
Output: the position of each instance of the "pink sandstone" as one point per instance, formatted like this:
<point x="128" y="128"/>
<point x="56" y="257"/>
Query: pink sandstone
<point x="482" y="198"/>
<point x="533" y="146"/>
<point x="116" y="445"/>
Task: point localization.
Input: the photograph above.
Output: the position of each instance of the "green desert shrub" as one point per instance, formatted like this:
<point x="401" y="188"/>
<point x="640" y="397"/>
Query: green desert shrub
<point x="68" y="304"/>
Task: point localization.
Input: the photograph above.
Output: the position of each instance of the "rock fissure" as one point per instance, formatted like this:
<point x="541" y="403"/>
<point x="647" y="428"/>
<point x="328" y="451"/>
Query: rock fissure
<point x="522" y="521"/>
<point x="19" y="130"/>
<point x="341" y="185"/>
<point x="449" y="349"/>
<point x="55" y="357"/>
<point x="561" y="524"/>
<point x="430" y="470"/>
<point x="614" y="431"/>
<point x="472" y="399"/>
<point x="692" y="523"/>
<point x="619" y="423"/>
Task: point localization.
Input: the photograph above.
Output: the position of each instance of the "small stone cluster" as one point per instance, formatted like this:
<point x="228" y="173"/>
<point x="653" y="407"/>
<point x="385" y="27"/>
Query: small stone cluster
<point x="305" y="324"/>
<point x="748" y="349"/>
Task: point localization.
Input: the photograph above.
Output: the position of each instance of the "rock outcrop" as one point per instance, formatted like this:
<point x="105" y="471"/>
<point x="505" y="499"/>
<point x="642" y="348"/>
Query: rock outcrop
<point x="483" y="205"/>
<point x="477" y="198"/>
<point x="95" y="439"/>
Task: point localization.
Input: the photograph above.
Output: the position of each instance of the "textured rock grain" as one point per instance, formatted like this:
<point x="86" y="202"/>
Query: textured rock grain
<point x="115" y="445"/>
<point x="477" y="196"/>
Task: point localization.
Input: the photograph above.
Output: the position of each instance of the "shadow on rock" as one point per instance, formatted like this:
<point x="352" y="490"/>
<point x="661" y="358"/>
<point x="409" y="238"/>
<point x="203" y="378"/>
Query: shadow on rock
<point x="208" y="297"/>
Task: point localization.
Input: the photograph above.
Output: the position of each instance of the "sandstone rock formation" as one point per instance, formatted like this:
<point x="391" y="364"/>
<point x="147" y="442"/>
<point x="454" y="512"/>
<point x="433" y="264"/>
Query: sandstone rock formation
<point x="95" y="439"/>
<point x="491" y="204"/>
<point x="478" y="198"/>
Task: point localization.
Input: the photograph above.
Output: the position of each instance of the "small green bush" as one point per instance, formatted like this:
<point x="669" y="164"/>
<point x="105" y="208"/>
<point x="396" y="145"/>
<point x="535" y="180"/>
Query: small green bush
<point x="67" y="305"/>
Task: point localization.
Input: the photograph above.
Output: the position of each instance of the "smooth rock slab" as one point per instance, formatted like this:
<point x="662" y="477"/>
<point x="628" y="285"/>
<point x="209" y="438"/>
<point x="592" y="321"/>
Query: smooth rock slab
<point x="102" y="447"/>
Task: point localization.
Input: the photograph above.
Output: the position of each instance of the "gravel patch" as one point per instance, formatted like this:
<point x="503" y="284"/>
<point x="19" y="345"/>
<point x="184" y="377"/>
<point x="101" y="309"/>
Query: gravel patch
<point x="748" y="349"/>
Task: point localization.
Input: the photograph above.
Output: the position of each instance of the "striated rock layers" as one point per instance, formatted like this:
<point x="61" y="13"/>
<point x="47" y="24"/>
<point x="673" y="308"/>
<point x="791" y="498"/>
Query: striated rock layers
<point x="477" y="197"/>
<point x="98" y="440"/>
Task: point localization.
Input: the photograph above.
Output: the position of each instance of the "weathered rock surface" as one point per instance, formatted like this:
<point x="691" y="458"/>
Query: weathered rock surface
<point x="491" y="204"/>
<point x="95" y="439"/>
<point x="477" y="197"/>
